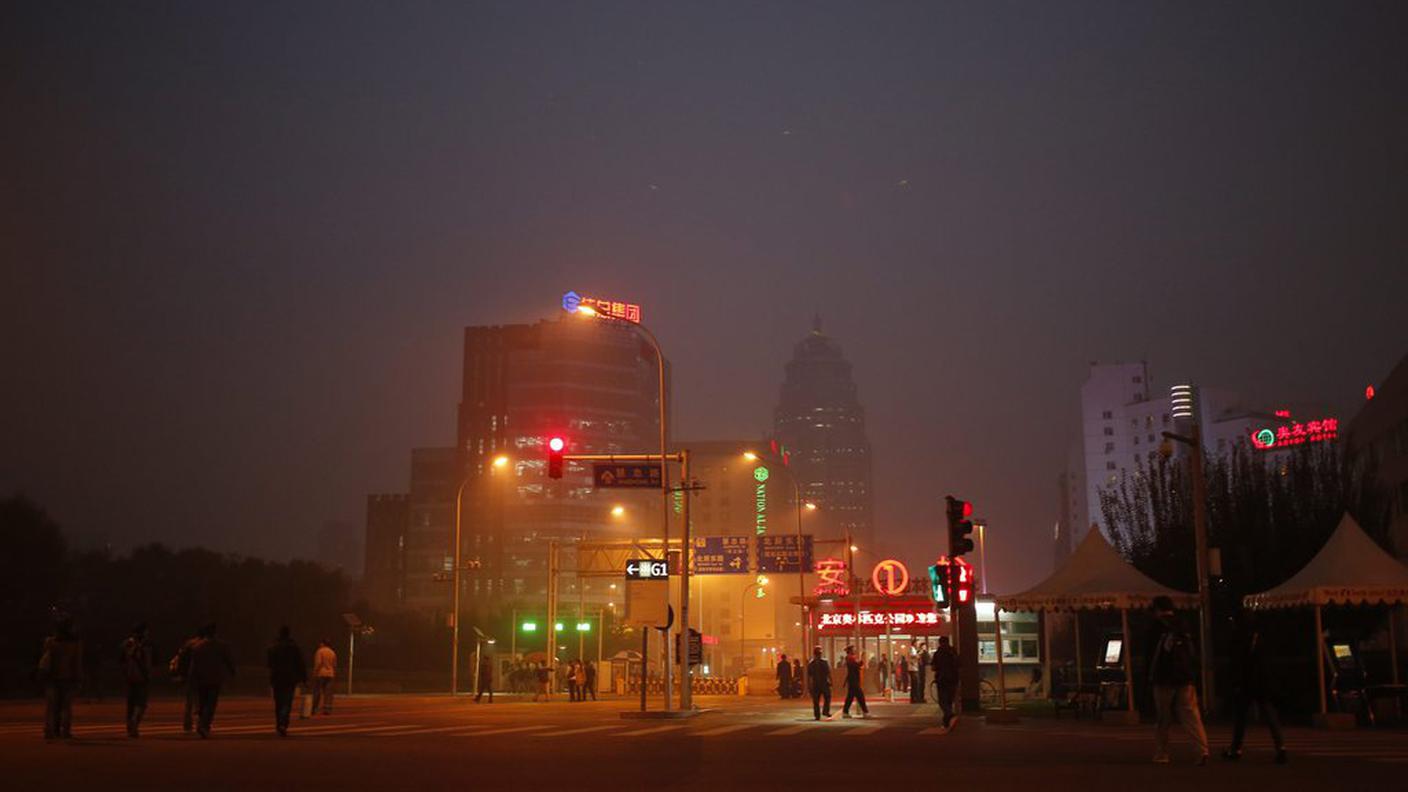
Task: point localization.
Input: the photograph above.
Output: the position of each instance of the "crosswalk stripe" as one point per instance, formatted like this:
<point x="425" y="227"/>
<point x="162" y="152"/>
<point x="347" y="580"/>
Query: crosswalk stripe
<point x="722" y="730"/>
<point x="582" y="730"/>
<point x="509" y="730"/>
<point x="651" y="730"/>
<point x="788" y="730"/>
<point x="934" y="730"/>
<point x="430" y="730"/>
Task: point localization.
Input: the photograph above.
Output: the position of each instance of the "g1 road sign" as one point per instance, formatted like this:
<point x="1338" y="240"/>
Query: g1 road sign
<point x="891" y="578"/>
<point x="626" y="474"/>
<point x="721" y="555"/>
<point x="647" y="569"/>
<point x="648" y="603"/>
<point x="784" y="553"/>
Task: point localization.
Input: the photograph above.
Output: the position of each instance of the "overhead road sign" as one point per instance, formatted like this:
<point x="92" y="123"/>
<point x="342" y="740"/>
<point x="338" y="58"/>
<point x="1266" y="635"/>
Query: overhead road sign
<point x="647" y="569"/>
<point x="784" y="553"/>
<point x="644" y="475"/>
<point x="721" y="555"/>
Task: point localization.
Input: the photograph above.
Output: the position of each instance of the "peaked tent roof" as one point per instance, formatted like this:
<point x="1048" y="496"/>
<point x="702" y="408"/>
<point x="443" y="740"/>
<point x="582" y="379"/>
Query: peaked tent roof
<point x="1095" y="576"/>
<point x="1351" y="569"/>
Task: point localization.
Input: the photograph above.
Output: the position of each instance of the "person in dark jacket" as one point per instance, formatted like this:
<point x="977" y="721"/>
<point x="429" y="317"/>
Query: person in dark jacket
<point x="137" y="673"/>
<point x="286" y="673"/>
<point x="1253" y="683"/>
<point x="180" y="670"/>
<point x="1172" y="670"/>
<point x="922" y="672"/>
<point x="784" y="677"/>
<point x="798" y="677"/>
<point x="819" y="685"/>
<point x="486" y="678"/>
<point x="854" y="689"/>
<point x="211" y="667"/>
<point x="945" y="663"/>
<point x="61" y="670"/>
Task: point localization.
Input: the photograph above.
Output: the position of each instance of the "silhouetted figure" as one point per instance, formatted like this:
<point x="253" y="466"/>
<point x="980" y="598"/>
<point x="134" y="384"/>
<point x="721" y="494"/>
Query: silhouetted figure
<point x="819" y="684"/>
<point x="945" y="662"/>
<point x="922" y="667"/>
<point x="784" y="677"/>
<point x="211" y="667"/>
<point x="797" y="677"/>
<point x="854" y="689"/>
<point x="486" y="678"/>
<point x="180" y="671"/>
<point x="591" y="679"/>
<point x="137" y="673"/>
<point x="324" y="674"/>
<point x="1253" y="683"/>
<point x="1172" y="669"/>
<point x="61" y="670"/>
<point x="884" y="668"/>
<point x="286" y="673"/>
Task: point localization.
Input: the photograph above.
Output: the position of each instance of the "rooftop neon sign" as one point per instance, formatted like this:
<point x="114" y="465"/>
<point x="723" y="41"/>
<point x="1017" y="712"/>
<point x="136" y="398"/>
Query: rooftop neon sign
<point x="1295" y="434"/>
<point x="572" y="302"/>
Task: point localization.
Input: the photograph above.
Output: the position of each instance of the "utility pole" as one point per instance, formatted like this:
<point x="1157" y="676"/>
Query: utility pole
<point x="686" y="694"/>
<point x="552" y="613"/>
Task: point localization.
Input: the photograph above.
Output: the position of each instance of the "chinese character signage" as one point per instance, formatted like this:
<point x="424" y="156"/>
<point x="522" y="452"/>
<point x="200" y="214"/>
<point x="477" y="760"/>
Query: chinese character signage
<point x="627" y="474"/>
<point x="912" y="618"/>
<point x="784" y="553"/>
<point x="891" y="578"/>
<point x="1294" y="434"/>
<point x="721" y="555"/>
<point x="831" y="578"/>
<point x="573" y="302"/>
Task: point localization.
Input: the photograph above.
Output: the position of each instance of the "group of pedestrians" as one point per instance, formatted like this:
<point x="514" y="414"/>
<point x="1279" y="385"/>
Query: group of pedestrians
<point x="789" y="677"/>
<point x="581" y="680"/>
<point x="203" y="663"/>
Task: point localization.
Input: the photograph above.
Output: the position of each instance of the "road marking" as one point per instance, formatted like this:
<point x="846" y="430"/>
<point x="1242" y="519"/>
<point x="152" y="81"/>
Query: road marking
<point x="787" y="731"/>
<point x="934" y="730"/>
<point x="431" y="730"/>
<point x="651" y="730"/>
<point x="722" y="730"/>
<point x="582" y="730"/>
<point x="508" y="730"/>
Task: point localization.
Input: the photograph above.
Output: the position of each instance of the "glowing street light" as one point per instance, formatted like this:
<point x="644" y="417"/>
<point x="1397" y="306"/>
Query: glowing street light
<point x="501" y="461"/>
<point x="618" y="510"/>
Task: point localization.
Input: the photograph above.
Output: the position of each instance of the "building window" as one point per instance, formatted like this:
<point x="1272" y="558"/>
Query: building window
<point x="1108" y="466"/>
<point x="1107" y="415"/>
<point x="1109" y="447"/>
<point x="1109" y="431"/>
<point x="1138" y="380"/>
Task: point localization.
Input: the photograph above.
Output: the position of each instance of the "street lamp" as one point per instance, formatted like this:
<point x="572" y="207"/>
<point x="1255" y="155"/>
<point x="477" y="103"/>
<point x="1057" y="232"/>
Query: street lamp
<point x="589" y="311"/>
<point x="500" y="463"/>
<point x="618" y="510"/>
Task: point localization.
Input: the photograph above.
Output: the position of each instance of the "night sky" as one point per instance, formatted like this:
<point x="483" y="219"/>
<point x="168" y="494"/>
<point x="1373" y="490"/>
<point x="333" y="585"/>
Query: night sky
<point x="239" y="241"/>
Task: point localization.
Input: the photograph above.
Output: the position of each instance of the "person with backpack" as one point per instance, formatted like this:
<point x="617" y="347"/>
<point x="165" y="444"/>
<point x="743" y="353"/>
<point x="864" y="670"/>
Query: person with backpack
<point x="286" y="673"/>
<point x="61" y="670"/>
<point x="1172" y="670"/>
<point x="211" y="667"/>
<point x="180" y="670"/>
<point x="137" y="672"/>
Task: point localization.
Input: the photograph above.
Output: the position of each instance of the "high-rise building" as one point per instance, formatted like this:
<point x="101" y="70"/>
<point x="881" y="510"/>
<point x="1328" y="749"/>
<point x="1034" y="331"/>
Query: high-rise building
<point x="592" y="382"/>
<point x="383" y="571"/>
<point x="820" y="424"/>
<point x="425" y="554"/>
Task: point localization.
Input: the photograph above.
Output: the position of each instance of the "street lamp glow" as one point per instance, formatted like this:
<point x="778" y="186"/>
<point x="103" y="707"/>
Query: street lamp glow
<point x="809" y="506"/>
<point x="617" y="511"/>
<point x="501" y="461"/>
<point x="586" y="310"/>
<point x="855" y="549"/>
<point x="750" y="456"/>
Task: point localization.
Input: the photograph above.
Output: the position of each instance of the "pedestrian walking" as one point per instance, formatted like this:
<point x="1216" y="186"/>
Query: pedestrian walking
<point x="922" y="667"/>
<point x="60" y="668"/>
<point x="211" y="667"/>
<point x="137" y="673"/>
<point x="324" y="673"/>
<point x="579" y="679"/>
<point x="286" y="673"/>
<point x="180" y="671"/>
<point x="591" y="679"/>
<point x="945" y="662"/>
<point x="544" y="680"/>
<point x="1253" y="683"/>
<point x="854" y="690"/>
<point x="486" y="678"/>
<point x="819" y="685"/>
<point x="571" y="679"/>
<point x="884" y="669"/>
<point x="784" y="678"/>
<point x="1172" y="669"/>
<point x="797" y="677"/>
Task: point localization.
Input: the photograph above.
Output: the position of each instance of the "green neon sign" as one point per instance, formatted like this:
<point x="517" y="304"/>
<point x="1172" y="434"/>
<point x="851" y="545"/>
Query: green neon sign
<point x="1266" y="438"/>
<point x="760" y="473"/>
<point x="530" y="626"/>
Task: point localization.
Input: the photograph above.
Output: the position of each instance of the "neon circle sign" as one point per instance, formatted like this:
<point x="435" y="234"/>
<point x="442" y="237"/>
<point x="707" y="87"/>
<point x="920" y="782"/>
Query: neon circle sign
<point x="1265" y="438"/>
<point x="891" y="578"/>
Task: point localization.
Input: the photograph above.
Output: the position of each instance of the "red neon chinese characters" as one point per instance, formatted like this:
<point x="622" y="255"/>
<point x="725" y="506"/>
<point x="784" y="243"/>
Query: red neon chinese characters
<point x="1297" y="433"/>
<point x="831" y="574"/>
<point x="878" y="619"/>
<point x="613" y="308"/>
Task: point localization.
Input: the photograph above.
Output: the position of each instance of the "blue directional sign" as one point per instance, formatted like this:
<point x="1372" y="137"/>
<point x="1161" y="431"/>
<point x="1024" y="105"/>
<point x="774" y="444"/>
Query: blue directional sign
<point x="784" y="553"/>
<point x="721" y="555"/>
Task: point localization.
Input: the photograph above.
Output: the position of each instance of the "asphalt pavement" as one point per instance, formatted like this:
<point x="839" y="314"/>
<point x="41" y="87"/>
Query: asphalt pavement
<point x="435" y="742"/>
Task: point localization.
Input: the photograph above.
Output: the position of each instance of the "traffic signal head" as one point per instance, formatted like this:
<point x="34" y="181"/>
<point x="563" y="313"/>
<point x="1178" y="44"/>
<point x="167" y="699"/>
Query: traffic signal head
<point x="556" y="446"/>
<point x="960" y="530"/>
<point x="938" y="583"/>
<point x="961" y="584"/>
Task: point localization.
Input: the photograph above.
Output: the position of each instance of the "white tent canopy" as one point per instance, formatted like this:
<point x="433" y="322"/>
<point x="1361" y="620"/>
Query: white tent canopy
<point x="1094" y="577"/>
<point x="1349" y="570"/>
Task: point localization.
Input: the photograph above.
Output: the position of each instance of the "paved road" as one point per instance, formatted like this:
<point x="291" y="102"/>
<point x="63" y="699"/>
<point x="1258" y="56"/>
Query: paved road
<point x="398" y="742"/>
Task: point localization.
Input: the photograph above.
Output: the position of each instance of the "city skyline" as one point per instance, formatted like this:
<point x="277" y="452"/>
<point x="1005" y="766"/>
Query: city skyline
<point x="242" y="261"/>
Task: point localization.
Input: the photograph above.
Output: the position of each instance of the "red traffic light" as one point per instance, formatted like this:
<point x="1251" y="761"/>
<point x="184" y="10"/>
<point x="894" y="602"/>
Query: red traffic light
<point x="967" y="510"/>
<point x="557" y="444"/>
